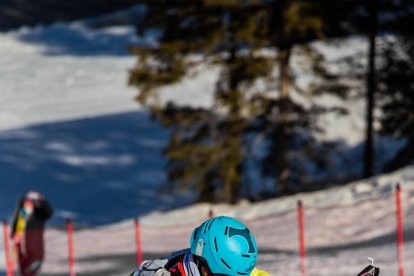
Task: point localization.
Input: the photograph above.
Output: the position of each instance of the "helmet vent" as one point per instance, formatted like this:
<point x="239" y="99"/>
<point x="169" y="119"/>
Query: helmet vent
<point x="225" y="231"/>
<point x="225" y="263"/>
<point x="241" y="273"/>
<point x="204" y="229"/>
<point x="195" y="233"/>
<point x="207" y="225"/>
<point x="211" y="222"/>
<point x="215" y="244"/>
<point x="246" y="256"/>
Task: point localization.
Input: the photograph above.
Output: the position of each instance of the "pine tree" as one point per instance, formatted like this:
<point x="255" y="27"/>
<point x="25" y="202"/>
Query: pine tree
<point x="298" y="22"/>
<point x="206" y="148"/>
<point x="396" y="84"/>
<point x="394" y="73"/>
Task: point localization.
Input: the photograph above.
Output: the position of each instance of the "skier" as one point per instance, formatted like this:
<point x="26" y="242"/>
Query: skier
<point x="219" y="246"/>
<point x="370" y="270"/>
<point x="27" y="231"/>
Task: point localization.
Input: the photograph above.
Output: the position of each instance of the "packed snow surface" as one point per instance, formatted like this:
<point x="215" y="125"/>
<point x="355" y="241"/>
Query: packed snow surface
<point x="343" y="226"/>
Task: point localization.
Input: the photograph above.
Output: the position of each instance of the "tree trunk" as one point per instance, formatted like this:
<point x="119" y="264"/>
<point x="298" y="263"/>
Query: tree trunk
<point x="207" y="192"/>
<point x="283" y="172"/>
<point x="234" y="117"/>
<point x="236" y="186"/>
<point x="369" y="144"/>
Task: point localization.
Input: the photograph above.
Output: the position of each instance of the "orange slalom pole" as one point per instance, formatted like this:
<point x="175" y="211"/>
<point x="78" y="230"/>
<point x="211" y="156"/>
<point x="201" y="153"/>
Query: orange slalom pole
<point x="70" y="248"/>
<point x="302" y="248"/>
<point x="400" y="232"/>
<point x="138" y="241"/>
<point x="9" y="265"/>
<point x="210" y="213"/>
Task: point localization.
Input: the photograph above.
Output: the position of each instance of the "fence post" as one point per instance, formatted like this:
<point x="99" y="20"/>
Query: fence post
<point x="138" y="241"/>
<point x="301" y="228"/>
<point x="69" y="227"/>
<point x="400" y="237"/>
<point x="210" y="213"/>
<point x="9" y="266"/>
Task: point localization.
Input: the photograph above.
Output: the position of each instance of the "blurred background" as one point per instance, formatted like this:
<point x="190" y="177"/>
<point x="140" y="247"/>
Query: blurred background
<point x="169" y="110"/>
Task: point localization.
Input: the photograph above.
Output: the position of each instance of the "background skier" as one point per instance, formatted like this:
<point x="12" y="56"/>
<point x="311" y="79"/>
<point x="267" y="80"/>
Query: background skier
<point x="27" y="231"/>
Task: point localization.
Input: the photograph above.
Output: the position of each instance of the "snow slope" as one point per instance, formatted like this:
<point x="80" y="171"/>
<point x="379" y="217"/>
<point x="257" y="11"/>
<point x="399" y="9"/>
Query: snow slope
<point x="344" y="225"/>
<point x="44" y="79"/>
<point x="67" y="71"/>
<point x="69" y="124"/>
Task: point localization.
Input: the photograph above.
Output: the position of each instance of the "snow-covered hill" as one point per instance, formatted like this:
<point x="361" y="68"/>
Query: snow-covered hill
<point x="63" y="72"/>
<point x="54" y="77"/>
<point x="69" y="125"/>
<point x="343" y="226"/>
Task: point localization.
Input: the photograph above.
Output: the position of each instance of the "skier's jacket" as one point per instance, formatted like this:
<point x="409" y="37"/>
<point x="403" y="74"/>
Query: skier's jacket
<point x="34" y="221"/>
<point x="180" y="263"/>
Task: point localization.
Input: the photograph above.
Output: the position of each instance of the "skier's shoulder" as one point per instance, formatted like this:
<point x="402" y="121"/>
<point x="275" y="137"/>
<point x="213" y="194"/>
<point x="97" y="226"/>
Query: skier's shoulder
<point x="258" y="272"/>
<point x="158" y="267"/>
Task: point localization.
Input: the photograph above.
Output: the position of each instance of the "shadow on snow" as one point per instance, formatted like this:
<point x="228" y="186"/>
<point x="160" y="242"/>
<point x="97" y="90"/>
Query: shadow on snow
<point x="95" y="170"/>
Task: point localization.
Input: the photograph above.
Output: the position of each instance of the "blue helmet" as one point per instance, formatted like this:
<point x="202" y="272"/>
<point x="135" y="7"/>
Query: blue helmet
<point x="226" y="245"/>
